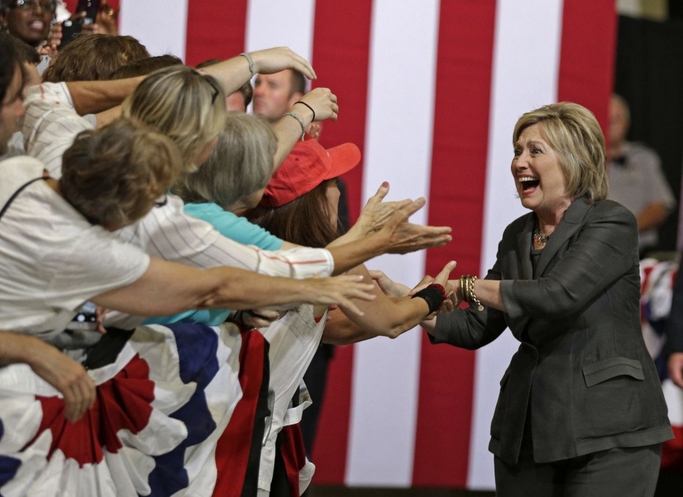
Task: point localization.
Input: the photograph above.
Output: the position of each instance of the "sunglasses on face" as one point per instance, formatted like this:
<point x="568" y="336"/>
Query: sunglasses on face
<point x="34" y="5"/>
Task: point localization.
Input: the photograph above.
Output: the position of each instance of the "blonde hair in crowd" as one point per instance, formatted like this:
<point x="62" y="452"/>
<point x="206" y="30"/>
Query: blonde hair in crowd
<point x="185" y="105"/>
<point x="575" y="135"/>
<point x="241" y="163"/>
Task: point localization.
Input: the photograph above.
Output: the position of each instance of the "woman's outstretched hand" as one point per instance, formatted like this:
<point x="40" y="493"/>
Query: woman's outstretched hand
<point x="403" y="237"/>
<point x="376" y="213"/>
<point x="338" y="290"/>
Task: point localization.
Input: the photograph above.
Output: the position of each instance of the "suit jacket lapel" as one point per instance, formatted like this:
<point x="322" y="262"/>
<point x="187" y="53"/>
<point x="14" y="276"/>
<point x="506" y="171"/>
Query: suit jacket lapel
<point x="524" y="248"/>
<point x="570" y="223"/>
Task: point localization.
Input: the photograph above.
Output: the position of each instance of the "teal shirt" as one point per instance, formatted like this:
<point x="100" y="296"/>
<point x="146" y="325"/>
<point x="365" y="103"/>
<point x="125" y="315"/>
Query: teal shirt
<point x="230" y="226"/>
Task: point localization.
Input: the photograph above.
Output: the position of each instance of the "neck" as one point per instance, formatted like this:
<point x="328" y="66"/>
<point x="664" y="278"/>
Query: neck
<point x="548" y="221"/>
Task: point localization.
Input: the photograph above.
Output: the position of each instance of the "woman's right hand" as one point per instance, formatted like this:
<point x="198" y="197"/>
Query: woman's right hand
<point x="338" y="290"/>
<point x="67" y="376"/>
<point x="323" y="102"/>
<point x="278" y="59"/>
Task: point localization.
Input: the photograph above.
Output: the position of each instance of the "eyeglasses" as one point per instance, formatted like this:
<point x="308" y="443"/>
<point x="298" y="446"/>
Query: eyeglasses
<point x="35" y="5"/>
<point x="214" y="86"/>
<point x="161" y="203"/>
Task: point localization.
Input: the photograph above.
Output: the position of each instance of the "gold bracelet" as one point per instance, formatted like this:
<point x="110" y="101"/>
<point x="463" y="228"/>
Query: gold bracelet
<point x="473" y="296"/>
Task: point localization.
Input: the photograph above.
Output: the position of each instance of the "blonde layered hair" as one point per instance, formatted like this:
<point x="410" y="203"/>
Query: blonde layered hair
<point x="241" y="163"/>
<point x="575" y="135"/>
<point x="183" y="104"/>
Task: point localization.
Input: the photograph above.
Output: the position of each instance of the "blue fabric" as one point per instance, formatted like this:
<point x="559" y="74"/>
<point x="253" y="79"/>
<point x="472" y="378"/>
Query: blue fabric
<point x="234" y="227"/>
<point x="230" y="226"/>
<point x="197" y="346"/>
<point x="8" y="465"/>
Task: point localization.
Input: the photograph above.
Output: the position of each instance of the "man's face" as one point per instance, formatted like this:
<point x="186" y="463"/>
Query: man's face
<point x="618" y="123"/>
<point x="273" y="95"/>
<point x="11" y="110"/>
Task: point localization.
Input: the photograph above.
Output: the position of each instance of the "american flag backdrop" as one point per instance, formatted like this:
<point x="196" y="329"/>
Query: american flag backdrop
<point x="430" y="91"/>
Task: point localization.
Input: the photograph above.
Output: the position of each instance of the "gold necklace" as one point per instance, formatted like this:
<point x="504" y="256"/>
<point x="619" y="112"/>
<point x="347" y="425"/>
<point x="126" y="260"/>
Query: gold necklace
<point x="540" y="238"/>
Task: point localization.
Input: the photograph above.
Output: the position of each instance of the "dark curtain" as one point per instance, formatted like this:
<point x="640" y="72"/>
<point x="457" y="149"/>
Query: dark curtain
<point x="649" y="75"/>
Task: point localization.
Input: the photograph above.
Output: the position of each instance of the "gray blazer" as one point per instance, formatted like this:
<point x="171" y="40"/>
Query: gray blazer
<point x="582" y="366"/>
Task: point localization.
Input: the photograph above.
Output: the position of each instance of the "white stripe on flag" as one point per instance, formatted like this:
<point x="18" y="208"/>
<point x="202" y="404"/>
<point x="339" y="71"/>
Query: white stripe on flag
<point x="287" y="23"/>
<point x="160" y="25"/>
<point x="398" y="149"/>
<point x="525" y="73"/>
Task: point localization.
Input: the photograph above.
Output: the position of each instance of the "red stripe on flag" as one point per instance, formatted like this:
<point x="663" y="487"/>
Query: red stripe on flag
<point x="215" y="29"/>
<point x="342" y="67"/>
<point x="587" y="55"/>
<point x="456" y="199"/>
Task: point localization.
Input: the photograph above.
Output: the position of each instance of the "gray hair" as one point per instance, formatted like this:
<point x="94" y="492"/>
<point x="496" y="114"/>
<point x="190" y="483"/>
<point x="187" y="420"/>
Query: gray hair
<point x="241" y="163"/>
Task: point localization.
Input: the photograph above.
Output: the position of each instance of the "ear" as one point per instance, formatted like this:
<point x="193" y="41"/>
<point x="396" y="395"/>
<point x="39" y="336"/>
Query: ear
<point x="296" y="96"/>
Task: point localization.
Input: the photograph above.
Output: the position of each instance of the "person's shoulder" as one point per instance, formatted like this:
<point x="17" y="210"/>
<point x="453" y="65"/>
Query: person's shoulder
<point x="611" y="210"/>
<point x="20" y="168"/>
<point x="641" y="151"/>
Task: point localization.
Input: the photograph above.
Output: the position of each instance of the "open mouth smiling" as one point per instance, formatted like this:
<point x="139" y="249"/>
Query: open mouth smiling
<point x="528" y="184"/>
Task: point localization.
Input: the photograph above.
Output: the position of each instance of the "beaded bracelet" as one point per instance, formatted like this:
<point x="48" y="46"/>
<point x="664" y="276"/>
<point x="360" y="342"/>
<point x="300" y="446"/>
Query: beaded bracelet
<point x="301" y="122"/>
<point x="250" y="60"/>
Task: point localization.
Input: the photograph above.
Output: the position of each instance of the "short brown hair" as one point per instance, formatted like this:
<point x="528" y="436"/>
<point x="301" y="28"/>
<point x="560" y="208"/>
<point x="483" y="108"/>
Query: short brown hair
<point x="304" y="221"/>
<point x="113" y="175"/>
<point x="143" y="67"/>
<point x="94" y="58"/>
<point x="575" y="135"/>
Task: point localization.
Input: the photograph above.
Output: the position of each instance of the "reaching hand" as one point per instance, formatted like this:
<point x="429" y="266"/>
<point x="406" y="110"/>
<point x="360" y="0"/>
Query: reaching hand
<point x="338" y="290"/>
<point x="676" y="368"/>
<point x="274" y="60"/>
<point x="323" y="102"/>
<point x="404" y="237"/>
<point x="389" y="287"/>
<point x="67" y="376"/>
<point x="377" y="212"/>
<point x="451" y="301"/>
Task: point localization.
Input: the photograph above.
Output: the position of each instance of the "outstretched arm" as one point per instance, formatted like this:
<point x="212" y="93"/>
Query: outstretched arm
<point x="382" y="317"/>
<point x="168" y="288"/>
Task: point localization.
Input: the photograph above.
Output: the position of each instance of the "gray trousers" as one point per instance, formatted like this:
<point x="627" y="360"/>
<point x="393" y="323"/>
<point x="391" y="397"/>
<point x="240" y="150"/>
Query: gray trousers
<point x="619" y="472"/>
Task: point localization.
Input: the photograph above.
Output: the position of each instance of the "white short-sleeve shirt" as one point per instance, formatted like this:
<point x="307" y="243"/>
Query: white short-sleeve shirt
<point x="52" y="259"/>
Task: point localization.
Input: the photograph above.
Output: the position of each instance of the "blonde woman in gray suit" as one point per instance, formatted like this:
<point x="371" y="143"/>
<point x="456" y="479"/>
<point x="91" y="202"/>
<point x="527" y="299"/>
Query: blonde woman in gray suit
<point x="581" y="410"/>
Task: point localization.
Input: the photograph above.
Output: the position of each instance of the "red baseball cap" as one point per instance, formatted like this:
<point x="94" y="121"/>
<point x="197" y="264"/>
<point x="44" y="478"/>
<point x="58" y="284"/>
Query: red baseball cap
<point x="307" y="166"/>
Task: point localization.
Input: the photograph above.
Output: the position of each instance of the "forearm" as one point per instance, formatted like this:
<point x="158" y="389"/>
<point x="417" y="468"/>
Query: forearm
<point x="652" y="216"/>
<point x="288" y="132"/>
<point x="92" y="97"/>
<point x="108" y="116"/>
<point x="340" y="330"/>
<point x="350" y="255"/>
<point x="236" y="289"/>
<point x="231" y="73"/>
<point x="18" y="348"/>
<point x="488" y="293"/>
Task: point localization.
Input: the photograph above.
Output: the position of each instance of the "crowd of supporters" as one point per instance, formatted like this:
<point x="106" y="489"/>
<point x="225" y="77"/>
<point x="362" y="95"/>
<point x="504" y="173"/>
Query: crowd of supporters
<point x="171" y="263"/>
